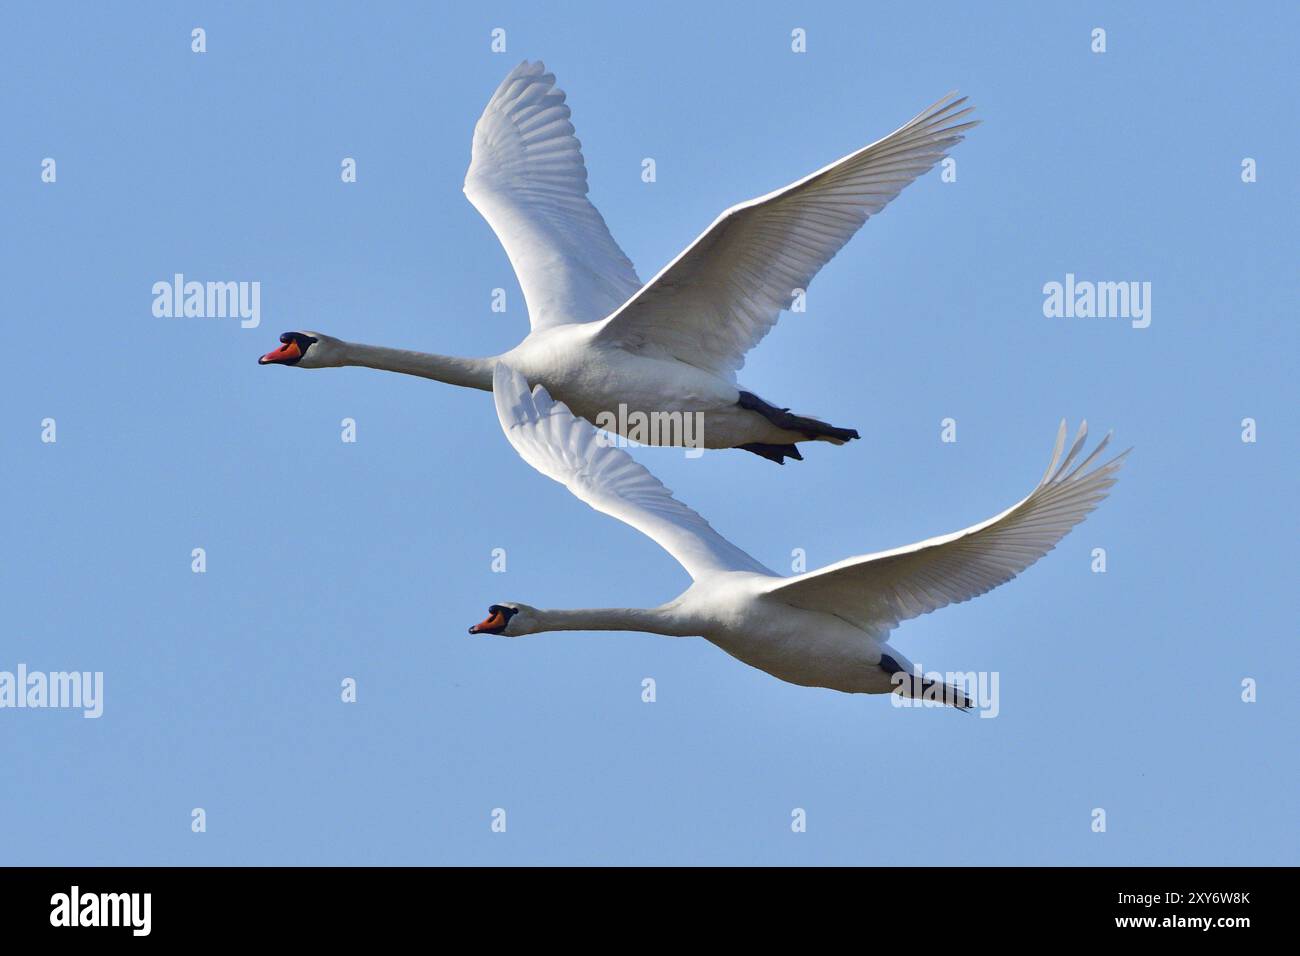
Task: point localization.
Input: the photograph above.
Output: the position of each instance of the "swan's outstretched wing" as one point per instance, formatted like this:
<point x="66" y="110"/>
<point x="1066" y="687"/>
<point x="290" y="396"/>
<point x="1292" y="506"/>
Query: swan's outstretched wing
<point x="876" y="591"/>
<point x="527" y="177"/>
<point x="570" y="450"/>
<point x="717" y="300"/>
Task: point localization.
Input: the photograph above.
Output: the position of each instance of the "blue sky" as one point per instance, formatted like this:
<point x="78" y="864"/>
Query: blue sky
<point x="328" y="560"/>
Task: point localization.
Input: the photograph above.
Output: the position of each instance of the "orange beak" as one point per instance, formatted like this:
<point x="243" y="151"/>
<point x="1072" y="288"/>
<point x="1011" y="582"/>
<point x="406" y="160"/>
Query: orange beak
<point x="489" y="626"/>
<point x="288" y="352"/>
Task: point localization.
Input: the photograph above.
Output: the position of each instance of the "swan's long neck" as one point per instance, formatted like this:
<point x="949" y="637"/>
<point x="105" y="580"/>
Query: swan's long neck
<point x="469" y="372"/>
<point x="653" y="620"/>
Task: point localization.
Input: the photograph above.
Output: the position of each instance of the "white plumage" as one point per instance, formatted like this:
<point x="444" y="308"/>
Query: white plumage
<point x="601" y="341"/>
<point x="528" y="179"/>
<point x="551" y="439"/>
<point x="826" y="628"/>
<point x="877" y="591"/>
<point x="719" y="297"/>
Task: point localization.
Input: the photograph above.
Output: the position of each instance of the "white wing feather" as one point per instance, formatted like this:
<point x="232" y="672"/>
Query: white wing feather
<point x="877" y="591"/>
<point x="528" y="179"/>
<point x="717" y="300"/>
<point x="569" y="450"/>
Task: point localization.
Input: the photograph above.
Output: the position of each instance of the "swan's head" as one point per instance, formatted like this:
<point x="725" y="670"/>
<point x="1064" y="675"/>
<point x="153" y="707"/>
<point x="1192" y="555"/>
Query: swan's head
<point x="507" y="620"/>
<point x="303" y="349"/>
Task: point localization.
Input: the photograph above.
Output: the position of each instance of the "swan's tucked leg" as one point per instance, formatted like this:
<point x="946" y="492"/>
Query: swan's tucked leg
<point x="916" y="686"/>
<point x="782" y="418"/>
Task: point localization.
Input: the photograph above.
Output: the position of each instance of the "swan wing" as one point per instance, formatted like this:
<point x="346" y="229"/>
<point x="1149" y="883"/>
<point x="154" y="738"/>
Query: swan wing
<point x="718" y="298"/>
<point x="528" y="179"/>
<point x="571" y="451"/>
<point x="877" y="591"/>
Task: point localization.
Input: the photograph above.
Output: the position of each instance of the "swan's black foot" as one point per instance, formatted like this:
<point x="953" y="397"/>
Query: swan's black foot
<point x="782" y="418"/>
<point x="914" y="686"/>
<point x="776" y="453"/>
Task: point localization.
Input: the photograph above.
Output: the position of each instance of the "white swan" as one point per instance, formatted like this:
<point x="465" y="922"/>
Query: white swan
<point x="601" y="340"/>
<point x="825" y="628"/>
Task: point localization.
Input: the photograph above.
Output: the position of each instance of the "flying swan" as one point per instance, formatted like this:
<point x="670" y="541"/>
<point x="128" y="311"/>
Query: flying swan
<point x="600" y="340"/>
<point x="825" y="628"/>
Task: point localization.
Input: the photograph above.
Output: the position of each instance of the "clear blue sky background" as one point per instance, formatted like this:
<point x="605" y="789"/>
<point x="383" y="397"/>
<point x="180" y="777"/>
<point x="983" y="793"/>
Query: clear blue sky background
<point x="328" y="560"/>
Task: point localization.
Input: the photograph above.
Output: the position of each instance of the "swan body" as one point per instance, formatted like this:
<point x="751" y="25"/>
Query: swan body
<point x="610" y="376"/>
<point x="825" y="628"/>
<point x="601" y="341"/>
